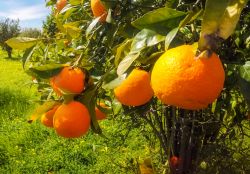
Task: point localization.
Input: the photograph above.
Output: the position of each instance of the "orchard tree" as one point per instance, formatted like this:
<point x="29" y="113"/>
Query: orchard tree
<point x="8" y="28"/>
<point x="180" y="67"/>
<point x="30" y="32"/>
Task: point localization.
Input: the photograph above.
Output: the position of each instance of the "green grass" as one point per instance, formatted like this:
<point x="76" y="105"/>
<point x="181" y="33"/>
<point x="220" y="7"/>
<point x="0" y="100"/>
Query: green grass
<point x="33" y="148"/>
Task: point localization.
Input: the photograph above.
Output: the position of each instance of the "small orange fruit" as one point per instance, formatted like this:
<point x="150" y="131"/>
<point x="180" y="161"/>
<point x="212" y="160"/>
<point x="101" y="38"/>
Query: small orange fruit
<point x="99" y="114"/>
<point x="72" y="120"/>
<point x="99" y="9"/>
<point x="55" y="88"/>
<point x="135" y="90"/>
<point x="181" y="79"/>
<point x="60" y="4"/>
<point x="69" y="80"/>
<point x="47" y="118"/>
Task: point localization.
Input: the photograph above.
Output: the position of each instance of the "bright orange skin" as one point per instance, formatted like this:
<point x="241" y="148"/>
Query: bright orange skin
<point x="99" y="114"/>
<point x="55" y="88"/>
<point x="99" y="9"/>
<point x="47" y="118"/>
<point x="72" y="120"/>
<point x="180" y="79"/>
<point x="135" y="90"/>
<point x="69" y="80"/>
<point x="60" y="4"/>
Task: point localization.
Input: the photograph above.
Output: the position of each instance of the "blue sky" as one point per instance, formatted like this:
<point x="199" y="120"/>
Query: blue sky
<point x="31" y="13"/>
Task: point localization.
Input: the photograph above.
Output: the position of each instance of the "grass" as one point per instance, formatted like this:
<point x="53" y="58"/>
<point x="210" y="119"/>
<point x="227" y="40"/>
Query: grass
<point x="33" y="148"/>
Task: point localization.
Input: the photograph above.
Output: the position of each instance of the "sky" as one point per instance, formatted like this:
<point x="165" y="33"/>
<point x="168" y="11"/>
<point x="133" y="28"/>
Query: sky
<point x="31" y="13"/>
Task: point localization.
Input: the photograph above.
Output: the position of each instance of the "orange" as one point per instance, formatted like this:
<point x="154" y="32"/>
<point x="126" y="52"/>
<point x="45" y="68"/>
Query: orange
<point x="72" y="120"/>
<point x="55" y="88"/>
<point x="69" y="80"/>
<point x="135" y="90"/>
<point x="99" y="9"/>
<point x="99" y="114"/>
<point x="47" y="118"/>
<point x="60" y="4"/>
<point x="181" y="79"/>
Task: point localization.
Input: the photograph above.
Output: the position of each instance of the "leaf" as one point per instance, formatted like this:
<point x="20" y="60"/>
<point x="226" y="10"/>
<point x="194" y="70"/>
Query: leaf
<point x="72" y="30"/>
<point x="126" y="63"/>
<point x="170" y="36"/>
<point x="46" y="71"/>
<point x="89" y="100"/>
<point x="28" y="54"/>
<point x="92" y="26"/>
<point x="40" y="110"/>
<point x="244" y="81"/>
<point x="75" y="2"/>
<point x="114" y="83"/>
<point x="220" y="19"/>
<point x="145" y="38"/>
<point x="22" y="43"/>
<point x="122" y="50"/>
<point x="244" y="71"/>
<point x="161" y="20"/>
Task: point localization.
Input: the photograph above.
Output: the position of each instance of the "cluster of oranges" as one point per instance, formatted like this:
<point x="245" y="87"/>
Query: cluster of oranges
<point x="72" y="119"/>
<point x="178" y="78"/>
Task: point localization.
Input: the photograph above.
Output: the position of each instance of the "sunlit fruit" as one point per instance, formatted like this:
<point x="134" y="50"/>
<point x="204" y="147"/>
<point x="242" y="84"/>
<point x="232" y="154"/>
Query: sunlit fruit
<point x="47" y="118"/>
<point x="98" y="10"/>
<point x="135" y="90"/>
<point x="181" y="79"/>
<point x="60" y="4"/>
<point x="99" y="114"/>
<point x="72" y="120"/>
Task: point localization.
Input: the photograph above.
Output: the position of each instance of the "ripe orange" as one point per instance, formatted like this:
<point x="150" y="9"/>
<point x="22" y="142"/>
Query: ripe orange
<point x="60" y="4"/>
<point x="55" y="88"/>
<point x="135" y="90"/>
<point x="180" y="79"/>
<point x="174" y="161"/>
<point x="99" y="114"/>
<point x="47" y="118"/>
<point x="69" y="80"/>
<point x="99" y="9"/>
<point x="72" y="120"/>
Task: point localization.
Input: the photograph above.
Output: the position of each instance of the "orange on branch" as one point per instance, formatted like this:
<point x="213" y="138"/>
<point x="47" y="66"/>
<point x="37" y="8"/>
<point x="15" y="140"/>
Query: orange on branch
<point x="99" y="114"/>
<point x="98" y="10"/>
<point x="72" y="120"/>
<point x="135" y="90"/>
<point x="47" y="118"/>
<point x="69" y="80"/>
<point x="60" y="4"/>
<point x="181" y="79"/>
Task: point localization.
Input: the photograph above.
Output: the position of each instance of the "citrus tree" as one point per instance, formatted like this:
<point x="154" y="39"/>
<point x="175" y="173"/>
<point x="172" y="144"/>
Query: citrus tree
<point x="179" y="66"/>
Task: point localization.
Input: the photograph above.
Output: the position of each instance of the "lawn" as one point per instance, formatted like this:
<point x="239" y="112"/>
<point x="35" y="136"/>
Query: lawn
<point x="33" y="148"/>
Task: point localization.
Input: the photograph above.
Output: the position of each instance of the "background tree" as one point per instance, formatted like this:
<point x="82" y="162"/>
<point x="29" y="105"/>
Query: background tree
<point x="30" y="32"/>
<point x="8" y="28"/>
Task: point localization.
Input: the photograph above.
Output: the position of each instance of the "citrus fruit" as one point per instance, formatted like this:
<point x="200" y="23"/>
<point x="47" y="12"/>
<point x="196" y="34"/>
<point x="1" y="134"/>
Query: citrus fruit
<point x="60" y="4"/>
<point x="181" y="79"/>
<point x="47" y="118"/>
<point x="99" y="9"/>
<point x="72" y="120"/>
<point x="69" y="80"/>
<point x="135" y="90"/>
<point x="54" y="87"/>
<point x="99" y="114"/>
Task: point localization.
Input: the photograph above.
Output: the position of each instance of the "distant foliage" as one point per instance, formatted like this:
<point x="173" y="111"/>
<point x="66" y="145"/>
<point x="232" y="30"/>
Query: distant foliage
<point x="30" y="32"/>
<point x="8" y="28"/>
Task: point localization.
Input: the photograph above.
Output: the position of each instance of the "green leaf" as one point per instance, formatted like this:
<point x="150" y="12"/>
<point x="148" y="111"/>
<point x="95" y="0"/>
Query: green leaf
<point x="27" y="55"/>
<point x="22" y="43"/>
<point x="72" y="30"/>
<point x="169" y="38"/>
<point x="114" y="83"/>
<point x="244" y="71"/>
<point x="89" y="100"/>
<point x="122" y="50"/>
<point x="161" y="20"/>
<point x="126" y="63"/>
<point x="76" y="2"/>
<point x="220" y="19"/>
<point x="46" y="71"/>
<point x="92" y="26"/>
<point x="145" y="38"/>
<point x="40" y="110"/>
